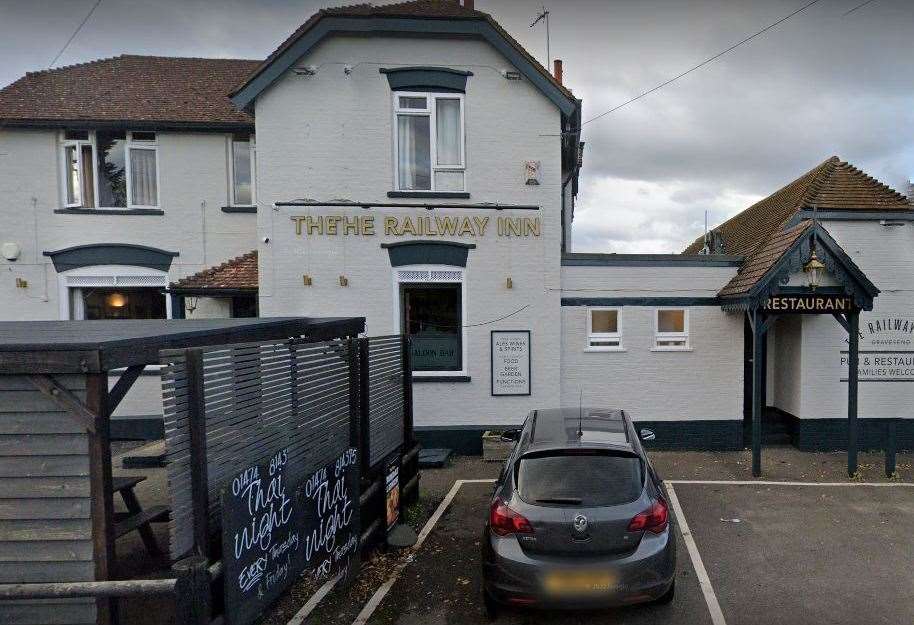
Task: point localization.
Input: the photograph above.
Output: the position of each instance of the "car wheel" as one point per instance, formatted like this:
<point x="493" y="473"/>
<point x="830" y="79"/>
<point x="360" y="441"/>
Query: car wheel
<point x="491" y="606"/>
<point x="668" y="595"/>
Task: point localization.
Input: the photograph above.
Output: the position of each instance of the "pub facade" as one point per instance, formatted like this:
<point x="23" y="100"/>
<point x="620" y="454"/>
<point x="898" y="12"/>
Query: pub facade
<point x="412" y="164"/>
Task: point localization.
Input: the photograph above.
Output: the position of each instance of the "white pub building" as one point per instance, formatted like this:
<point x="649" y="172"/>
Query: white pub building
<point x="412" y="164"/>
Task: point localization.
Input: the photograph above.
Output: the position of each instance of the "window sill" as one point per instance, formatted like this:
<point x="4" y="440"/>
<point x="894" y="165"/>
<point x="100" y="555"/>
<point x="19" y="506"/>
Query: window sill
<point x="239" y="209"/>
<point x="463" y="379"/>
<point x="454" y="195"/>
<point x="109" y="211"/>
<point x="671" y="349"/>
<point x="605" y="349"/>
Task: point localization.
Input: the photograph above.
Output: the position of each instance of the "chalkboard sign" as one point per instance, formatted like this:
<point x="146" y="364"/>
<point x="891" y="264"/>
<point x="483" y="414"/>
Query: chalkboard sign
<point x="330" y="508"/>
<point x="262" y="542"/>
<point x="274" y="531"/>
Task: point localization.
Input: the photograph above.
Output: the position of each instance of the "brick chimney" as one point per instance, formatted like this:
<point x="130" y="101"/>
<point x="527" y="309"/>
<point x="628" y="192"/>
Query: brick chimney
<point x="557" y="70"/>
<point x="468" y="4"/>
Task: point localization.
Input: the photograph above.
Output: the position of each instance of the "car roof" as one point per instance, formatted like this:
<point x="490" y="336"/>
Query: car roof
<point x="563" y="428"/>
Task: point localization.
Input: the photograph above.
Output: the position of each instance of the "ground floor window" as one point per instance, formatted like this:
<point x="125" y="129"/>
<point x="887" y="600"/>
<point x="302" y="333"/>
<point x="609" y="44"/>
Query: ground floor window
<point x="603" y="329"/>
<point x="432" y="318"/>
<point x="671" y="329"/>
<point x="244" y="306"/>
<point x="102" y="303"/>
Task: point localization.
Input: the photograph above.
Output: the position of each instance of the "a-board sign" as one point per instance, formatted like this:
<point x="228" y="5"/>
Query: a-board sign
<point x="274" y="531"/>
<point x="262" y="539"/>
<point x="330" y="500"/>
<point x="392" y="490"/>
<point x="510" y="362"/>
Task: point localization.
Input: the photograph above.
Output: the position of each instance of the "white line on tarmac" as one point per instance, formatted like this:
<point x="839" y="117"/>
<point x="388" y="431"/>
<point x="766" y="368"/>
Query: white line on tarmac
<point x="315" y="599"/>
<point x="776" y="483"/>
<point x="717" y="616"/>
<point x="381" y="592"/>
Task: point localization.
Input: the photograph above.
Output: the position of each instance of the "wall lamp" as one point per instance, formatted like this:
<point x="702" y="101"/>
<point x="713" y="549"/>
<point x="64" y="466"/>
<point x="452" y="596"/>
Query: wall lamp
<point x="307" y="70"/>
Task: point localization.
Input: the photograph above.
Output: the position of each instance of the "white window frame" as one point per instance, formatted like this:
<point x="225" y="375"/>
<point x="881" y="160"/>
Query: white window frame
<point x="672" y="336"/>
<point x="435" y="274"/>
<point x="252" y="144"/>
<point x="429" y="111"/>
<point x="129" y="144"/>
<point x="109" y="276"/>
<point x="604" y="336"/>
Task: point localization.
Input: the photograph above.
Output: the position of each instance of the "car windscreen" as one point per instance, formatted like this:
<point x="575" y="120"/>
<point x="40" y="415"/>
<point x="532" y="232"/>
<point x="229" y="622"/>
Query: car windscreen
<point x="579" y="479"/>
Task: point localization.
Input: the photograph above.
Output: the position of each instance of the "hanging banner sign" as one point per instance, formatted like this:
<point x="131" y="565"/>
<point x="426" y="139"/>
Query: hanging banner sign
<point x="262" y="543"/>
<point x="510" y="362"/>
<point x="810" y="304"/>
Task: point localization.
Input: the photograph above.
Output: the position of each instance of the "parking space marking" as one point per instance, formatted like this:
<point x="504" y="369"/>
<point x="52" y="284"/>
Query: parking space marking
<point x="312" y="603"/>
<point x="777" y="483"/>
<point x="717" y="616"/>
<point x="381" y="592"/>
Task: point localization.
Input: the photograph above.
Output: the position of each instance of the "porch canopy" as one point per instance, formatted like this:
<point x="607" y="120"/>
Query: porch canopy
<point x="778" y="280"/>
<point x="55" y="456"/>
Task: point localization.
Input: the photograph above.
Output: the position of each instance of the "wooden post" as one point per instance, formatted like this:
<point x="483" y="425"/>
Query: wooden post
<point x="196" y="423"/>
<point x="100" y="489"/>
<point x="193" y="602"/>
<point x="407" y="365"/>
<point x="890" y="447"/>
<point x="758" y="336"/>
<point x="355" y="386"/>
<point x="364" y="418"/>
<point x="853" y="360"/>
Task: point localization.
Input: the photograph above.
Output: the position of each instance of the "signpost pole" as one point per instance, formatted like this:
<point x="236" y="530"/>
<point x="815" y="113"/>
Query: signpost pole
<point x="853" y="361"/>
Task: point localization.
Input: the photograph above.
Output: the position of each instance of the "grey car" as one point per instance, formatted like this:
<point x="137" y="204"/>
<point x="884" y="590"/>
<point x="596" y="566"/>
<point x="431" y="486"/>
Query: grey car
<point x="578" y="518"/>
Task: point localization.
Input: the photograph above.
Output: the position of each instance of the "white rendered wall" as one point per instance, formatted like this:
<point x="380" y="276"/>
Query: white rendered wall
<point x="329" y="136"/>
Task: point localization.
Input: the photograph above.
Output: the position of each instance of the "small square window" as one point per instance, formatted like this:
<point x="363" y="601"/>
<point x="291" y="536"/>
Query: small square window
<point x="143" y="136"/>
<point x="603" y="332"/>
<point x="671" y="329"/>
<point x="412" y="102"/>
<point x="76" y="135"/>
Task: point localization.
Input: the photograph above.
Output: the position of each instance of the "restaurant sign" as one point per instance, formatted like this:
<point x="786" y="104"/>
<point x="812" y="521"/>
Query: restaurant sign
<point x="809" y="304"/>
<point x="886" y="350"/>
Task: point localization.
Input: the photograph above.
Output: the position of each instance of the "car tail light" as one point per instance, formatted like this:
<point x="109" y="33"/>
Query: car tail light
<point x="504" y="521"/>
<point x="654" y="519"/>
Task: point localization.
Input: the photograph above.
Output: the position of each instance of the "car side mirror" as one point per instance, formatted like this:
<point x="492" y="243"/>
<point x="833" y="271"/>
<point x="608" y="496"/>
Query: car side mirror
<point x="647" y="435"/>
<point x="510" y="435"/>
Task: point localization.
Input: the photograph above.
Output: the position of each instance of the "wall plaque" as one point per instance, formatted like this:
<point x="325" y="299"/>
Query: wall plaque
<point x="510" y="362"/>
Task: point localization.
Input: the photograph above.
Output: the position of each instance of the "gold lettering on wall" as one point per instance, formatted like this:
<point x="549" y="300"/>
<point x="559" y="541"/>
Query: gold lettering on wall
<point x="416" y="225"/>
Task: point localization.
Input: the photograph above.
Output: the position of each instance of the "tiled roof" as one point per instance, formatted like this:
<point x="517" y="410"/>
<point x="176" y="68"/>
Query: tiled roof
<point x="424" y="9"/>
<point x="237" y="273"/>
<point x="833" y="185"/>
<point x="130" y="88"/>
<point x="762" y="260"/>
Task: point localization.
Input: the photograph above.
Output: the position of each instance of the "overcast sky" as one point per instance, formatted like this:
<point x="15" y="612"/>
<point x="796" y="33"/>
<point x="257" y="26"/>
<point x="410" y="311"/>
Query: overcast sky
<point x="825" y="82"/>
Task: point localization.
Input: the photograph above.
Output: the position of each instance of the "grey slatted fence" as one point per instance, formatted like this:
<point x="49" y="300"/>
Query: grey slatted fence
<point x="385" y="397"/>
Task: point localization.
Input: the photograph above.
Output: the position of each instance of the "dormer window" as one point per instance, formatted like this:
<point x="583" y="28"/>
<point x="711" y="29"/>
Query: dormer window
<point x="429" y="141"/>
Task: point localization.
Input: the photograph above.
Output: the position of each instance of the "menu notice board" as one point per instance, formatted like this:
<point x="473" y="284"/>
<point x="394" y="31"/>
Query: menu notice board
<point x="510" y="362"/>
<point x="274" y="531"/>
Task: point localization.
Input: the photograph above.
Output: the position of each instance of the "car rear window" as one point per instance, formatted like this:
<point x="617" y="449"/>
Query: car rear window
<point x="580" y="479"/>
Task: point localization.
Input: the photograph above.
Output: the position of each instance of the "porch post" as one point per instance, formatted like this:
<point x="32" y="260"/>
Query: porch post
<point x="853" y="361"/>
<point x="758" y="371"/>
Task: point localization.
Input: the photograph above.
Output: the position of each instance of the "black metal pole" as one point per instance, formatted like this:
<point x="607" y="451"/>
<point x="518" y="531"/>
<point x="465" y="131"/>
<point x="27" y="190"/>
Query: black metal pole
<point x="853" y="360"/>
<point x="890" y="447"/>
<point x="758" y="371"/>
<point x="364" y="418"/>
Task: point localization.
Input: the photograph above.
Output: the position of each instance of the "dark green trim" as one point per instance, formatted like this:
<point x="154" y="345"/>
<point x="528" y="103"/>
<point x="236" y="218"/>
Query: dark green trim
<point x="475" y="27"/>
<point x="126" y="124"/>
<point x="456" y="195"/>
<point x="650" y="260"/>
<point x="428" y="379"/>
<point x="426" y="79"/>
<point x="428" y="253"/>
<point x="426" y="205"/>
<point x="832" y="434"/>
<point x="108" y="211"/>
<point x="700" y="434"/>
<point x="111" y="254"/>
<point x="640" y="301"/>
<point x="239" y="209"/>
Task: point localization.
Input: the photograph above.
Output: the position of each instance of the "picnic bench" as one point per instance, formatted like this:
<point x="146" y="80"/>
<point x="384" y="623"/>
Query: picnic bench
<point x="136" y="518"/>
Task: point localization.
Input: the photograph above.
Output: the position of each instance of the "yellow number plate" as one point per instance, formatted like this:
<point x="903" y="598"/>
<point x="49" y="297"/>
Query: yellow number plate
<point x="578" y="582"/>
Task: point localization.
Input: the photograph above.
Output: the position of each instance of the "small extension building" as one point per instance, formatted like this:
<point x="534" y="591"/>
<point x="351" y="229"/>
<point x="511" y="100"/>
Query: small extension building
<point x="415" y="166"/>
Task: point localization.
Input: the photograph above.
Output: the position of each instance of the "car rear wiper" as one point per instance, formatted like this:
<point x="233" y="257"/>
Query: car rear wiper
<point x="568" y="500"/>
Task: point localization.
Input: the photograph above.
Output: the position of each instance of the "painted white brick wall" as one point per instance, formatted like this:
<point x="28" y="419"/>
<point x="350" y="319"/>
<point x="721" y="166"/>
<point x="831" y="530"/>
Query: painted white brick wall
<point x="329" y="136"/>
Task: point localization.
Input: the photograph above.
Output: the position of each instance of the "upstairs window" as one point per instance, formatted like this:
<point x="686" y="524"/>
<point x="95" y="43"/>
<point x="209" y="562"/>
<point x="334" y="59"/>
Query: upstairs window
<point x="429" y="138"/>
<point x="110" y="169"/>
<point x="242" y="170"/>
<point x="603" y="331"/>
<point x="671" y="329"/>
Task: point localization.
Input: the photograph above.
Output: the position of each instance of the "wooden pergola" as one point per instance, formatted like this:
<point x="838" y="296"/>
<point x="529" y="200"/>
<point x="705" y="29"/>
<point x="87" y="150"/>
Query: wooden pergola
<point x="55" y="454"/>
